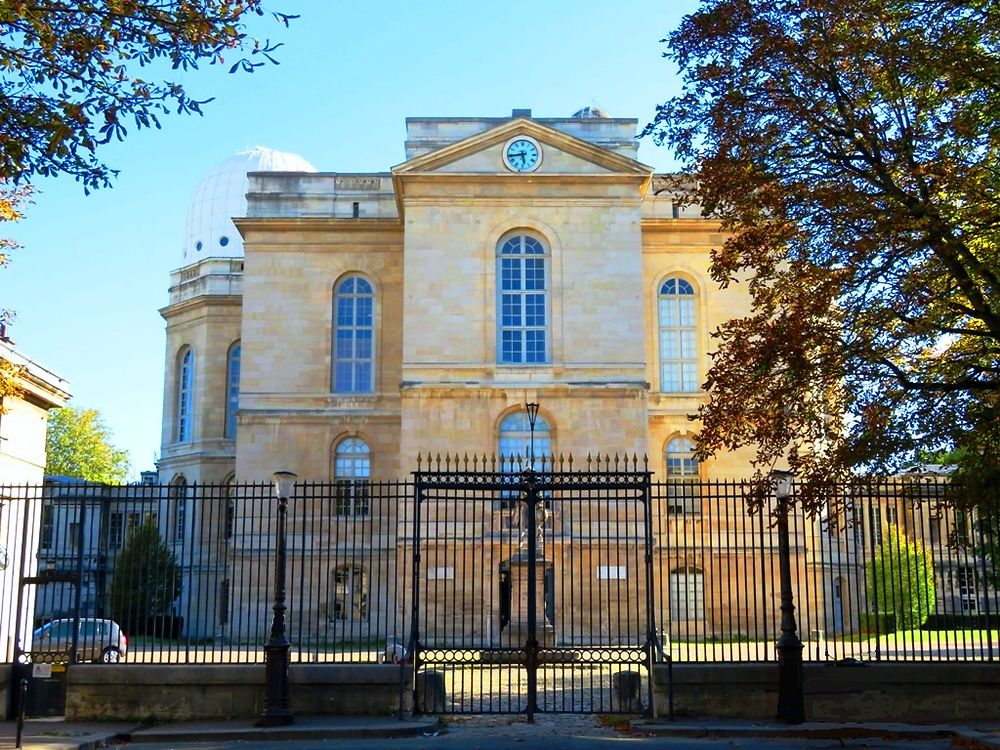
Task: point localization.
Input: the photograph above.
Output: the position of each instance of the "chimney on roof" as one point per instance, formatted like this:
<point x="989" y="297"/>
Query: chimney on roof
<point x="3" y="334"/>
<point x="520" y="113"/>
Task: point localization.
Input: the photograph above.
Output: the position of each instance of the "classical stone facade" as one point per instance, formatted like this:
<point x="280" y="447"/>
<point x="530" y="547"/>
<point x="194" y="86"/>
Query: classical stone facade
<point x="381" y="315"/>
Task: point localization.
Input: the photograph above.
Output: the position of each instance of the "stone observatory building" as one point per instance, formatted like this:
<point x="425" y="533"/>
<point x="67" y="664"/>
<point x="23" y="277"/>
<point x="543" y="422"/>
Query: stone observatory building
<point x="340" y="324"/>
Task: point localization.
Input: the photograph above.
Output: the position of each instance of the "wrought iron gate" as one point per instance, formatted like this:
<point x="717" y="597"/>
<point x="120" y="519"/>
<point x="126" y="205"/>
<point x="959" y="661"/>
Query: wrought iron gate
<point x="532" y="588"/>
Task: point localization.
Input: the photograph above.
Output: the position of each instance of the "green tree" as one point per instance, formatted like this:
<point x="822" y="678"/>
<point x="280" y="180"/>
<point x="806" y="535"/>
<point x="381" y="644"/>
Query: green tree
<point x="146" y="580"/>
<point x="901" y="579"/>
<point x="78" y="444"/>
<point x="849" y="149"/>
<point x="78" y="73"/>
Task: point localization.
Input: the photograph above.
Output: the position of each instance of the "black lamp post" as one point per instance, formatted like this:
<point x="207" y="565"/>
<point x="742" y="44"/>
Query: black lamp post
<point x="531" y="521"/>
<point x="791" y="706"/>
<point x="277" y="707"/>
<point x="532" y="410"/>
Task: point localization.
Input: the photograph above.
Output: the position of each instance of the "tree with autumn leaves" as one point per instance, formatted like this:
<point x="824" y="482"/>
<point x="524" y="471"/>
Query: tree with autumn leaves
<point x="849" y="149"/>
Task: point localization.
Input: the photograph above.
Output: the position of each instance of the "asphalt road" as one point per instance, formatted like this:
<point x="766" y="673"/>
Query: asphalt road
<point x="484" y="742"/>
<point x="553" y="732"/>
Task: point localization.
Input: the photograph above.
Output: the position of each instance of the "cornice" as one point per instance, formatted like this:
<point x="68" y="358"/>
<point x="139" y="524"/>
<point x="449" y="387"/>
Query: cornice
<point x="318" y="224"/>
<point x="681" y="225"/>
<point x="202" y="300"/>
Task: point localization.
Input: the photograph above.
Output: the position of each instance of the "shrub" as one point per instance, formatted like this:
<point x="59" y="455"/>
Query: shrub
<point x="901" y="579"/>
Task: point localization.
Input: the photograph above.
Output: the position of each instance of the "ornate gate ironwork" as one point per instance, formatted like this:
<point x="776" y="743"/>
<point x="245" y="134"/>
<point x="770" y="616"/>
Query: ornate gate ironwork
<point x="532" y="588"/>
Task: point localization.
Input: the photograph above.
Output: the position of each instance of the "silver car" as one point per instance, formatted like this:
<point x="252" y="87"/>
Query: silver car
<point x="98" y="640"/>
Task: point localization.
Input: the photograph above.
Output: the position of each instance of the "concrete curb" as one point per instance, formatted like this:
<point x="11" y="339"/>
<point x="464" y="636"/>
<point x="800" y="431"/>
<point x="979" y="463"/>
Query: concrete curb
<point x="304" y="728"/>
<point x="826" y="730"/>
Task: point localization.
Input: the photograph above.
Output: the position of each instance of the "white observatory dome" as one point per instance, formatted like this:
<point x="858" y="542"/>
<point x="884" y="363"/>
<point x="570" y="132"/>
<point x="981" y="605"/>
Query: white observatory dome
<point x="222" y="194"/>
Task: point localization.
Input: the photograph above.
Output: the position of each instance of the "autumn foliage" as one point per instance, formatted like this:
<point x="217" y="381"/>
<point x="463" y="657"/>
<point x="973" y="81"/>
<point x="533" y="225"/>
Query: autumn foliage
<point x="850" y="149"/>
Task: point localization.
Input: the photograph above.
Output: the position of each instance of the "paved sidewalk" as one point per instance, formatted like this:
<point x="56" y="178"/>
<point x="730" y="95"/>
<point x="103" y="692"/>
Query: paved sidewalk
<point x="56" y="734"/>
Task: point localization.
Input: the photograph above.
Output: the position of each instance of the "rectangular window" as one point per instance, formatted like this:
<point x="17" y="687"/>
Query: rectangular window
<point x="875" y="519"/>
<point x="611" y="572"/>
<point x="352" y="496"/>
<point x="224" y="602"/>
<point x="967" y="592"/>
<point x="441" y="574"/>
<point x="116" y="530"/>
<point x="45" y="539"/>
<point x="935" y="529"/>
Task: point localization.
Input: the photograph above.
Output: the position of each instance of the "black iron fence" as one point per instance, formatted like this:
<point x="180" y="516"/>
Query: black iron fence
<point x="891" y="571"/>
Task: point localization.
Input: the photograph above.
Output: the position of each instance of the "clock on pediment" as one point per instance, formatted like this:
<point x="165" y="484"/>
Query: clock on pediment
<point x="522" y="154"/>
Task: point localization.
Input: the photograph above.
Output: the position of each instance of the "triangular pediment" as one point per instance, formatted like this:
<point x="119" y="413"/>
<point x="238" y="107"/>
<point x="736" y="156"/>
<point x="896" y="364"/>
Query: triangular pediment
<point x="483" y="154"/>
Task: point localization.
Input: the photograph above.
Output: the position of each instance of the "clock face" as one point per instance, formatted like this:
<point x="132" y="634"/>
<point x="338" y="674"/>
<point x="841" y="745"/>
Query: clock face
<point x="522" y="155"/>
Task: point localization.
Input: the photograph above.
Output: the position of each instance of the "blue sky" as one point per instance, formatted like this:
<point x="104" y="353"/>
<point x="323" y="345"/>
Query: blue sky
<point x="94" y="270"/>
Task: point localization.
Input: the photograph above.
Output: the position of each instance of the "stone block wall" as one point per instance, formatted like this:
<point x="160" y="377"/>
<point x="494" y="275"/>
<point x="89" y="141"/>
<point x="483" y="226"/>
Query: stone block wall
<point x="183" y="693"/>
<point x="922" y="693"/>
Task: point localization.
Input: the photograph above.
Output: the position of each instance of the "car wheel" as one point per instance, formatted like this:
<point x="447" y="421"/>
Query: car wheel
<point x="111" y="656"/>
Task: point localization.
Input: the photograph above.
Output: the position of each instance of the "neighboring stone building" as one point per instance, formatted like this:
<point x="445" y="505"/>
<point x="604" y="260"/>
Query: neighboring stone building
<point x="23" y="422"/>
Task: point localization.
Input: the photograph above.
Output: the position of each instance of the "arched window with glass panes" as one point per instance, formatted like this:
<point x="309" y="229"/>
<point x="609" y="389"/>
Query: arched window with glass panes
<point x="232" y="388"/>
<point x="522" y="301"/>
<point x="678" y="337"/>
<point x="185" y="395"/>
<point x="178" y="507"/>
<point x="354" y="336"/>
<point x="351" y="474"/>
<point x="683" y="477"/>
<point x="515" y="443"/>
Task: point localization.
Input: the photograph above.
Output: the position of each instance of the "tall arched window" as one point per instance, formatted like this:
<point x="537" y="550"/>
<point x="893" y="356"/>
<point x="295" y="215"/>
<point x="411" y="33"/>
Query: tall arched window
<point x="683" y="477"/>
<point x="515" y="437"/>
<point x="348" y="593"/>
<point x="185" y="395"/>
<point x="178" y="507"/>
<point x="351" y="472"/>
<point x="522" y="301"/>
<point x="232" y="388"/>
<point x="354" y="336"/>
<point x="687" y="594"/>
<point x="678" y="355"/>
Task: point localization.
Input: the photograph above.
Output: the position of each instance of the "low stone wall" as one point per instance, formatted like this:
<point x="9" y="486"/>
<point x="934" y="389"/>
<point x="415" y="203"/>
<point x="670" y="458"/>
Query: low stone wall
<point x="934" y="692"/>
<point x="140" y="692"/>
<point x="5" y="697"/>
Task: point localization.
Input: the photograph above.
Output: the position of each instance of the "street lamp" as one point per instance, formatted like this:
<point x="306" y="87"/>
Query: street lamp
<point x="532" y="410"/>
<point x="277" y="707"/>
<point x="791" y="708"/>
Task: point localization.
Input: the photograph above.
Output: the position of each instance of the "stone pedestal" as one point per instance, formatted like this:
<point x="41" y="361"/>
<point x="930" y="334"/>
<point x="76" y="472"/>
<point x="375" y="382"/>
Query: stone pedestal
<point x="516" y="632"/>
